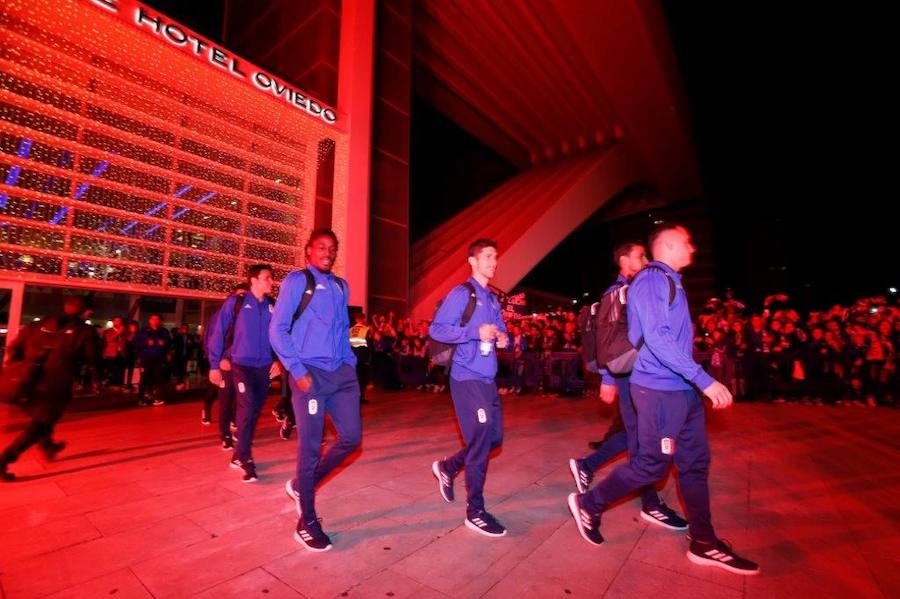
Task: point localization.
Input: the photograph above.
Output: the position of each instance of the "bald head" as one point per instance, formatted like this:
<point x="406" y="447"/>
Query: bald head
<point x="671" y="244"/>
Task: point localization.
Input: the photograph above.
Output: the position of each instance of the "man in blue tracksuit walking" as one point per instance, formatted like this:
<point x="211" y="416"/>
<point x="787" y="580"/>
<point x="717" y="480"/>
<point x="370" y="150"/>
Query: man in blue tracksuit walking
<point x="671" y="418"/>
<point x="310" y="332"/>
<point x="239" y="343"/>
<point x="631" y="259"/>
<point x="224" y="389"/>
<point x="472" y="385"/>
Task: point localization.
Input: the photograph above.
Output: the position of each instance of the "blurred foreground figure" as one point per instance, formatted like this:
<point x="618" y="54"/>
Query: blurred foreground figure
<point x="40" y="366"/>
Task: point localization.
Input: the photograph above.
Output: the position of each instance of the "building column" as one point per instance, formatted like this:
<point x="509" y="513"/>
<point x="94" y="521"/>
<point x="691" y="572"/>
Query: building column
<point x="355" y="85"/>
<point x="14" y="321"/>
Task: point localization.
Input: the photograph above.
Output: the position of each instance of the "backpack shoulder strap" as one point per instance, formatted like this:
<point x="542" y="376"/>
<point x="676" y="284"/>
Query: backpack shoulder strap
<point x="235" y="312"/>
<point x="306" y="297"/>
<point x="466" y="317"/>
<point x="672" y="290"/>
<point x="470" y="305"/>
<point x="238" y="304"/>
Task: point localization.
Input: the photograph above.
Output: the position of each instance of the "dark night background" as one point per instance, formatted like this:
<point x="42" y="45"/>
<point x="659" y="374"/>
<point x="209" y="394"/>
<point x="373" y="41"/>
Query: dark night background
<point x="789" y="111"/>
<point x="789" y="124"/>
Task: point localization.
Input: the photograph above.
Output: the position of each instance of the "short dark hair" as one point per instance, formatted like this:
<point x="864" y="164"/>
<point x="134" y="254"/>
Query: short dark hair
<point x="659" y="230"/>
<point x="254" y="270"/>
<point x="624" y="250"/>
<point x="321" y="232"/>
<point x="479" y="244"/>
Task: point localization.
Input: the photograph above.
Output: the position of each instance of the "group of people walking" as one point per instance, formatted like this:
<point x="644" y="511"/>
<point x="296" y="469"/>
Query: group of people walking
<point x="304" y="337"/>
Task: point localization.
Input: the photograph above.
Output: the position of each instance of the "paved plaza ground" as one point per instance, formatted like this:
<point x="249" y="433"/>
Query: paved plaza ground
<point x="142" y="504"/>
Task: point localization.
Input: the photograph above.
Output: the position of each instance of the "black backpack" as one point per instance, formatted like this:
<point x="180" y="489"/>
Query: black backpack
<point x="608" y="334"/>
<point x="442" y="353"/>
<point x="586" y="325"/>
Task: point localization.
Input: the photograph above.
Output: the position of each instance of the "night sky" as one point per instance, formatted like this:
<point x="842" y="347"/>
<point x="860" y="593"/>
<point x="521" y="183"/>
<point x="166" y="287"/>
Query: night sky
<point x="789" y="113"/>
<point x="790" y="116"/>
<point x="795" y="145"/>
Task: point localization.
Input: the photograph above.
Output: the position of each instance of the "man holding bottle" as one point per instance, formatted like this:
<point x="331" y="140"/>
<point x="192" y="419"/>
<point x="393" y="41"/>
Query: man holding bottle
<point x="472" y="385"/>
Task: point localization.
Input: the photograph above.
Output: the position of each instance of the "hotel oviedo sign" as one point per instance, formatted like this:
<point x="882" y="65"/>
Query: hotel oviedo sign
<point x="156" y="24"/>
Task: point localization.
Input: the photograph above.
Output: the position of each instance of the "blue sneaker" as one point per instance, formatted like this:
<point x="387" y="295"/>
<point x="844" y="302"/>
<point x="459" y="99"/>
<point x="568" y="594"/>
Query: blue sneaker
<point x="291" y="490"/>
<point x="664" y="516"/>
<point x="721" y="555"/>
<point x="311" y="536"/>
<point x="445" y="481"/>
<point x="588" y="524"/>
<point x="484" y="523"/>
<point x="581" y="474"/>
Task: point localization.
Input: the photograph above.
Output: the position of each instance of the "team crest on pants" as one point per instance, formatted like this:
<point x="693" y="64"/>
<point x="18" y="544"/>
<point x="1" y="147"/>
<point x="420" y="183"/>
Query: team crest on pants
<point x="313" y="407"/>
<point x="668" y="446"/>
<point x="482" y="415"/>
<point x="242" y="388"/>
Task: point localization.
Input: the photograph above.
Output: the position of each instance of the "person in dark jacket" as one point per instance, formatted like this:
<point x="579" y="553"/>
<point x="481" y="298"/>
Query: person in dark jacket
<point x="152" y="345"/>
<point x="212" y="391"/>
<point x="130" y="357"/>
<point x="53" y="350"/>
<point x="181" y="348"/>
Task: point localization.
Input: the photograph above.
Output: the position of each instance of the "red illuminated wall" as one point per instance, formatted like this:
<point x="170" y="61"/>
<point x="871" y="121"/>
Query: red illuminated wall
<point x="300" y="39"/>
<point x="129" y="162"/>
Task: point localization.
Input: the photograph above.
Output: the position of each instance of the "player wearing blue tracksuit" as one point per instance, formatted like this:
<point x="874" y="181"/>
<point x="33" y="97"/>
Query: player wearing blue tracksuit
<point x="239" y="343"/>
<point x="670" y="412"/>
<point x="631" y="258"/>
<point x="314" y="347"/>
<point x="472" y="385"/>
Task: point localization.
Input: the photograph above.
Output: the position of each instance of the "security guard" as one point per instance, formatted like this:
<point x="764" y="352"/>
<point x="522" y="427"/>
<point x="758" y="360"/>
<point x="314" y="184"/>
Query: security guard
<point x="360" y="343"/>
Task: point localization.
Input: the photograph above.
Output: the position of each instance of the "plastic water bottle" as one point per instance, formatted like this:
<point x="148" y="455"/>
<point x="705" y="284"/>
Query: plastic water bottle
<point x="486" y="347"/>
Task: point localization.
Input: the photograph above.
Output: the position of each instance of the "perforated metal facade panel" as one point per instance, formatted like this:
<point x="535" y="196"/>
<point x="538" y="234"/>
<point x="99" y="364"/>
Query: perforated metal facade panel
<point x="130" y="161"/>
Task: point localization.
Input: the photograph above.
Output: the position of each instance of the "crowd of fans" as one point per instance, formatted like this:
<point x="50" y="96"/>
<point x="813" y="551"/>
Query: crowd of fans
<point x="842" y="355"/>
<point x="845" y="355"/>
<point x="145" y="359"/>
